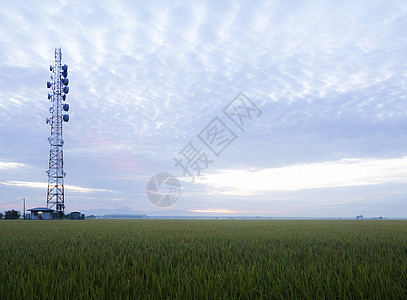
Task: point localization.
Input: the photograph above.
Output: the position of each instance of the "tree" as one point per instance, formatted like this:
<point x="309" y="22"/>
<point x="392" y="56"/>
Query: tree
<point x="12" y="214"/>
<point x="1" y="216"/>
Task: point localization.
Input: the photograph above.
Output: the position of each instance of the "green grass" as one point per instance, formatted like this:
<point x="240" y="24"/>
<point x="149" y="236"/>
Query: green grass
<point x="212" y="259"/>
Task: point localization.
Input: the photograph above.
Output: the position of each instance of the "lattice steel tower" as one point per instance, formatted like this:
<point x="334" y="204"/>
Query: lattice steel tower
<point x="58" y="89"/>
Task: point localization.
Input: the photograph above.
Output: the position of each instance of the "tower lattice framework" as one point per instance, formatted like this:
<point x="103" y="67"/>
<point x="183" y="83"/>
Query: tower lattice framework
<point x="58" y="90"/>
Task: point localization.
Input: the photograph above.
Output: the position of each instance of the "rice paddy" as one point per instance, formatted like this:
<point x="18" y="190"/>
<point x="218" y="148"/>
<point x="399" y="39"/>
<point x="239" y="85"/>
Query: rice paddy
<point x="203" y="259"/>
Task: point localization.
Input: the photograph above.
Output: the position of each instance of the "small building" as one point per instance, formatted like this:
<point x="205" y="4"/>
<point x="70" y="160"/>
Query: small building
<point x="41" y="213"/>
<point x="76" y="215"/>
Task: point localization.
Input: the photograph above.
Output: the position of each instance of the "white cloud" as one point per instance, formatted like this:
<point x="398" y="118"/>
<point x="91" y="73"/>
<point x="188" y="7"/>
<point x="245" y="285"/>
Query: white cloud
<point x="345" y="172"/>
<point x="44" y="185"/>
<point x="10" y="165"/>
<point x="79" y="189"/>
<point x="227" y="211"/>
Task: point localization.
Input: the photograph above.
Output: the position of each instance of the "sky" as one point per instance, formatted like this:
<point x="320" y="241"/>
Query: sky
<point x="257" y="108"/>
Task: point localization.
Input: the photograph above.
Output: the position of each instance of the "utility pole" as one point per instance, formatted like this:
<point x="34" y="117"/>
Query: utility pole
<point x="24" y="208"/>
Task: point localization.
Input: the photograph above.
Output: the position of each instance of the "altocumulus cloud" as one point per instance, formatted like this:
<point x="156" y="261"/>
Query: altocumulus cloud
<point x="145" y="78"/>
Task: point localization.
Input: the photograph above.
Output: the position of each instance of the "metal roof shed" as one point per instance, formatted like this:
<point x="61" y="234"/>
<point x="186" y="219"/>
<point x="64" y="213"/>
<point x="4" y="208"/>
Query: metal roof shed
<point x="41" y="213"/>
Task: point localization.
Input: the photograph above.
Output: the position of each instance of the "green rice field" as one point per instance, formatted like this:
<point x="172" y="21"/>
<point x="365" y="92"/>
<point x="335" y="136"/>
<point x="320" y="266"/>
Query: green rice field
<point x="203" y="259"/>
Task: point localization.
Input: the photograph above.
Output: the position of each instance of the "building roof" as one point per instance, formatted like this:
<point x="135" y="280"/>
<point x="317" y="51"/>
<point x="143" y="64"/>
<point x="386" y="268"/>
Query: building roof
<point x="43" y="209"/>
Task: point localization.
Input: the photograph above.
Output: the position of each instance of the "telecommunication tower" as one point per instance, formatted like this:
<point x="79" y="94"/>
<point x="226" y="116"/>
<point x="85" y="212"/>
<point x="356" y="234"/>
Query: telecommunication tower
<point x="58" y="90"/>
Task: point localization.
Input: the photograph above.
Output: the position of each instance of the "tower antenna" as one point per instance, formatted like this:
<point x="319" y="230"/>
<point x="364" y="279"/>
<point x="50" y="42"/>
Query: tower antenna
<point x="58" y="91"/>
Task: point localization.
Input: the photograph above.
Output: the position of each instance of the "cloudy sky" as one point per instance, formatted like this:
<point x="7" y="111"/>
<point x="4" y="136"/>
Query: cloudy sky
<point x="289" y="108"/>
